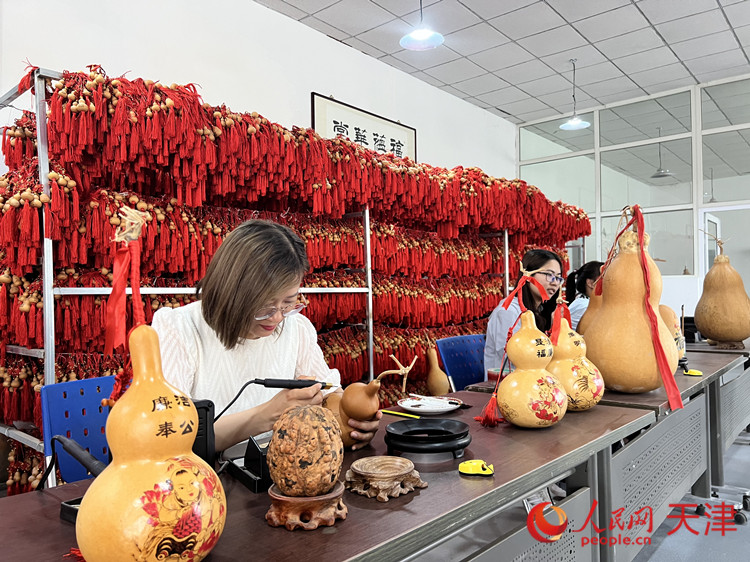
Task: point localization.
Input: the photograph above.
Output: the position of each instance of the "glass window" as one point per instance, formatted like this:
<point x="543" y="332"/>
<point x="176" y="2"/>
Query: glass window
<point x="570" y="180"/>
<point x="547" y="139"/>
<point x="671" y="239"/>
<point x="725" y="104"/>
<point x="731" y="227"/>
<point x="642" y="120"/>
<point x="650" y="175"/>
<point x="726" y="166"/>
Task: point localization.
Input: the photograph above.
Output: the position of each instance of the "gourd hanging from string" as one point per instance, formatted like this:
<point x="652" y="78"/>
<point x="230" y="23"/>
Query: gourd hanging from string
<point x="627" y="338"/>
<point x="157" y="499"/>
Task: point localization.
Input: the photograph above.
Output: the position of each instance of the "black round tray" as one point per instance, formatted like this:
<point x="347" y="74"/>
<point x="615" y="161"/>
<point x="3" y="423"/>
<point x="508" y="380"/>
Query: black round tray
<point x="455" y="446"/>
<point x="433" y="430"/>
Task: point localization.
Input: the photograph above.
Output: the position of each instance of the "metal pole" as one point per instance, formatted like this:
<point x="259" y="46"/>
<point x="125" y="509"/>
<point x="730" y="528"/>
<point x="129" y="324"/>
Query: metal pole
<point x="368" y="276"/>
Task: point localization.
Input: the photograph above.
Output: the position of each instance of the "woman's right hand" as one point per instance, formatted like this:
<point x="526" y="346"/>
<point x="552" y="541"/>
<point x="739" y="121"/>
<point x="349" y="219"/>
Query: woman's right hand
<point x="291" y="397"/>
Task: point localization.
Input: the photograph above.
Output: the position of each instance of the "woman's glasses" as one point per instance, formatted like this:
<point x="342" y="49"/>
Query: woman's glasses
<point x="286" y="311"/>
<point x="551" y="277"/>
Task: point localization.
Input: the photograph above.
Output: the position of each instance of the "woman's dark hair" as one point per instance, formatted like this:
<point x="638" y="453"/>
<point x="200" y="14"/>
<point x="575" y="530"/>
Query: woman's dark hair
<point x="532" y="260"/>
<point x="576" y="282"/>
<point x="254" y="262"/>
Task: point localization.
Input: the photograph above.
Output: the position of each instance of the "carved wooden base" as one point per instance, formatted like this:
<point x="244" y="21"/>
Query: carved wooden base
<point x="306" y="513"/>
<point x="730" y="345"/>
<point x="383" y="477"/>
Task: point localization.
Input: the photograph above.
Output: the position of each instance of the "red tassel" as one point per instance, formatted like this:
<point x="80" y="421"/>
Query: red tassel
<point x="561" y="311"/>
<point x="75" y="555"/>
<point x="491" y="414"/>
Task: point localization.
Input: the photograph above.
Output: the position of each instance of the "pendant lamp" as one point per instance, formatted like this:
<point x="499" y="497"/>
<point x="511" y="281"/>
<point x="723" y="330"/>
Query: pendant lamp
<point x="575" y="123"/>
<point x="660" y="171"/>
<point x="422" y="38"/>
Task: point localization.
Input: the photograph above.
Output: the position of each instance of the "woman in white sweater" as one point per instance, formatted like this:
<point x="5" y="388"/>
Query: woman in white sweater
<point x="246" y="326"/>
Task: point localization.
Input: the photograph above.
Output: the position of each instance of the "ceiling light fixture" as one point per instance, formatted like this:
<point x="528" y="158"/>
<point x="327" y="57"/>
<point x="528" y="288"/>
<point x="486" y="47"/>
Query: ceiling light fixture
<point x="422" y="38"/>
<point x="660" y="171"/>
<point x="575" y="123"/>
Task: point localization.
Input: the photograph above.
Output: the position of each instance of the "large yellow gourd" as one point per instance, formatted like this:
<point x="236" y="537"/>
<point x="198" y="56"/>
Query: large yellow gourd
<point x="618" y="339"/>
<point x="156" y="500"/>
<point x="531" y="396"/>
<point x="723" y="311"/>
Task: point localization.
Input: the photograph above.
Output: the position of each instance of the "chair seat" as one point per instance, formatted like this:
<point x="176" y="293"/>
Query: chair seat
<point x="463" y="358"/>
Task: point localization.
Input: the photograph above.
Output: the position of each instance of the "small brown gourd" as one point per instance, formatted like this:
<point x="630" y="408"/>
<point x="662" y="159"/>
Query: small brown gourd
<point x="437" y="381"/>
<point x="723" y="311"/>
<point x="305" y="452"/>
<point x="618" y="339"/>
<point x="673" y="323"/>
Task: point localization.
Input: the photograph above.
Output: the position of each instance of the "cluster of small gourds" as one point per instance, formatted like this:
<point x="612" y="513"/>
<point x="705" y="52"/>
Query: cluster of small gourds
<point x="25" y="469"/>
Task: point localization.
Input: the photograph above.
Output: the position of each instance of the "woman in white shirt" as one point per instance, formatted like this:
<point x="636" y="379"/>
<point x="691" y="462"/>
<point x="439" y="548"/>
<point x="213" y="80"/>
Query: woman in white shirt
<point x="579" y="287"/>
<point x="245" y="326"/>
<point x="549" y="274"/>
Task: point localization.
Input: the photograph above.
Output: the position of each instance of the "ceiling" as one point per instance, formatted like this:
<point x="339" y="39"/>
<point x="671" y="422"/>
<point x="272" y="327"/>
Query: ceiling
<point x="512" y="57"/>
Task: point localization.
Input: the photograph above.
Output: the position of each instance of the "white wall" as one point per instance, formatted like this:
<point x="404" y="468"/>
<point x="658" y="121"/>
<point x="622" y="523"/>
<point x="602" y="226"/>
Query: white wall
<point x="252" y="59"/>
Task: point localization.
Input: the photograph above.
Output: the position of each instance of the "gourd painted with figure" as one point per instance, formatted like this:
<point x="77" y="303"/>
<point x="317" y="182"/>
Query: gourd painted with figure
<point x="723" y="311"/>
<point x="618" y="339"/>
<point x="531" y="396"/>
<point x="156" y="500"/>
<point x="580" y="377"/>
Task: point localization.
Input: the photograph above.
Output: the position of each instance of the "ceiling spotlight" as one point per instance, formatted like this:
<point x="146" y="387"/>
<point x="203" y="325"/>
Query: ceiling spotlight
<point x="575" y="123"/>
<point x="660" y="171"/>
<point x="422" y="38"/>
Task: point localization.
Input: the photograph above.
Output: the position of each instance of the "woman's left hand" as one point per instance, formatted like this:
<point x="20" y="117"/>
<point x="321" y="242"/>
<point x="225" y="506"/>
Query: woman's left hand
<point x="364" y="430"/>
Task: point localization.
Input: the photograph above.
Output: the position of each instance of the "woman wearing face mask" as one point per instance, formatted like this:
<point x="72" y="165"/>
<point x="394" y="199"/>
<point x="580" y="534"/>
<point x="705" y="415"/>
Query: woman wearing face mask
<point x="246" y="326"/>
<point x="578" y="289"/>
<point x="548" y="267"/>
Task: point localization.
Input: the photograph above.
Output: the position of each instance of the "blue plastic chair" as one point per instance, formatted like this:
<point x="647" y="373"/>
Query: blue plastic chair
<point x="463" y="359"/>
<point x="74" y="410"/>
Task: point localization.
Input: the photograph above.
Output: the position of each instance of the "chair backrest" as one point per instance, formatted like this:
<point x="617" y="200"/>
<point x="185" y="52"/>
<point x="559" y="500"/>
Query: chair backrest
<point x="73" y="409"/>
<point x="463" y="358"/>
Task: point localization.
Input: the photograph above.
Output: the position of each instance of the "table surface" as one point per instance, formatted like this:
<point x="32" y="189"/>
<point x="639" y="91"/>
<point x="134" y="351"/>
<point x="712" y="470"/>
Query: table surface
<point x="703" y="346"/>
<point x="524" y="459"/>
<point x="713" y="365"/>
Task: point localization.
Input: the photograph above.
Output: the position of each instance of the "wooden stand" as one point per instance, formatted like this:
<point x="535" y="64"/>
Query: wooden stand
<point x="383" y="477"/>
<point x="307" y="513"/>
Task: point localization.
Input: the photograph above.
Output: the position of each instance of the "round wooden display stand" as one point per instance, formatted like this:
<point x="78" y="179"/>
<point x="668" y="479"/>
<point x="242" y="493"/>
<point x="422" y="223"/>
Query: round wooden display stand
<point x="307" y="513"/>
<point x="383" y="477"/>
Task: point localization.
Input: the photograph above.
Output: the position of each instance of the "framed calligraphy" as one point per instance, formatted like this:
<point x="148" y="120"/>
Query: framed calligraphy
<point x="332" y="118"/>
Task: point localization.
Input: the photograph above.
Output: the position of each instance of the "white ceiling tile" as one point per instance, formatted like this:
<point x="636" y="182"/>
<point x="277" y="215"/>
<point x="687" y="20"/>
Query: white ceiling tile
<point x="455" y="71"/>
<point x="363" y="47"/>
<point x="620" y="95"/>
<point x="524" y="106"/>
<point x="429" y="79"/>
<point x="743" y="34"/>
<point x="284" y="8"/>
<point x="525" y="72"/>
<point x="611" y="24"/>
<point x="446" y="17"/>
<point x="659" y="11"/>
<point x="669" y="85"/>
<point x="454" y="91"/>
<point x="629" y="43"/>
<point x="550" y="84"/>
<point x="307" y="6"/>
<point x="504" y="115"/>
<point x="609" y="87"/>
<point x="506" y="95"/>
<point x="586" y="55"/>
<point x="553" y="41"/>
<point x="386" y="37"/>
<point x="646" y="60"/>
<point x="527" y="21"/>
<point x="489" y="9"/>
<point x="738" y="14"/>
<point x="481" y="84"/>
<point x="563" y="100"/>
<point x="539" y="114"/>
<point x="423" y="60"/>
<point x="723" y="73"/>
<point x="596" y="73"/>
<point x="661" y="74"/>
<point x="402" y="7"/>
<point x="717" y="62"/>
<point x="693" y="26"/>
<point x="503" y="56"/>
<point x="354" y="16"/>
<point x="729" y="2"/>
<point x="574" y="11"/>
<point x="323" y="27"/>
<point x="478" y="103"/>
<point x="396" y="63"/>
<point x="706" y="45"/>
<point x="474" y="39"/>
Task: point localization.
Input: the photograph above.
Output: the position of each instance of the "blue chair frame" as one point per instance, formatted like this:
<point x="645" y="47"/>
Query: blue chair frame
<point x="463" y="358"/>
<point x="74" y="410"/>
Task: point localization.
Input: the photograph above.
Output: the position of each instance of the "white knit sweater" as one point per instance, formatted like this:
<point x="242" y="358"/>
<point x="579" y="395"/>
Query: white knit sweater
<point x="196" y="362"/>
